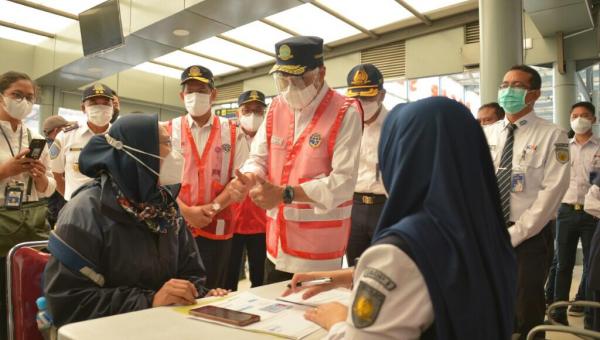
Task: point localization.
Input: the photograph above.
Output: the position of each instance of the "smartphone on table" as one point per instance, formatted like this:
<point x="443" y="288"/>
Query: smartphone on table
<point x="36" y="146"/>
<point x="225" y="315"/>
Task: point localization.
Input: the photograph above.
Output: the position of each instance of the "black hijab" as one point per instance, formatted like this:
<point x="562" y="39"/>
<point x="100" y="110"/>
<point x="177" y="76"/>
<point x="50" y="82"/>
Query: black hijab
<point x="137" y="183"/>
<point x="444" y="203"/>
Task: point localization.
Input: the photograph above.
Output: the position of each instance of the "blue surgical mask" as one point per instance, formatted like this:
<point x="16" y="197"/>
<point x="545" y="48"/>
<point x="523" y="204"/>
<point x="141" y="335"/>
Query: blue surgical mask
<point x="512" y="99"/>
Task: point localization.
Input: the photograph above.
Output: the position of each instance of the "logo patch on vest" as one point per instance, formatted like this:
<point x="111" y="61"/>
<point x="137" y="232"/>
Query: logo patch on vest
<point x="226" y="147"/>
<point x="315" y="140"/>
<point x="366" y="306"/>
<point x="54" y="149"/>
<point x="561" y="151"/>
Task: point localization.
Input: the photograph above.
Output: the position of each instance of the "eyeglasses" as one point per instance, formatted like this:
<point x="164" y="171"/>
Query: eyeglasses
<point x="250" y="111"/>
<point x="516" y="84"/>
<point x="18" y="97"/>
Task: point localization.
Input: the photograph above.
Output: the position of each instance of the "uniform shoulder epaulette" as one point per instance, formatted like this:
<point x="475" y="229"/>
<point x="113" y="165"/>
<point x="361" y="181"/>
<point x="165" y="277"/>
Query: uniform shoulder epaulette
<point x="71" y="127"/>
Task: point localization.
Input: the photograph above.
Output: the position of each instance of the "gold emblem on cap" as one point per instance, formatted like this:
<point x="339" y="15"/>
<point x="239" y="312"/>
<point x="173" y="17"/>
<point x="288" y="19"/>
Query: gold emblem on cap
<point x="360" y="78"/>
<point x="98" y="89"/>
<point x="194" y="72"/>
<point x="285" y="53"/>
<point x="254" y="95"/>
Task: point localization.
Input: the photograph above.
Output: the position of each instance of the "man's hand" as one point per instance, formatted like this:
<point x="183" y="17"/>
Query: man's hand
<point x="327" y="315"/>
<point x="239" y="187"/>
<point x="199" y="216"/>
<point x="266" y="195"/>
<point x="175" y="291"/>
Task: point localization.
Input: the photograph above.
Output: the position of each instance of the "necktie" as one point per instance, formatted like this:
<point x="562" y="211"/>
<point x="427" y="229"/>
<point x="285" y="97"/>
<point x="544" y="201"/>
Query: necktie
<point x="504" y="173"/>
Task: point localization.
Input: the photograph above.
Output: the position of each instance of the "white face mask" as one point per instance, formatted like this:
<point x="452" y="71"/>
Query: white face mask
<point x="581" y="125"/>
<point x="17" y="110"/>
<point x="369" y="108"/>
<point x="171" y="170"/>
<point x="197" y="104"/>
<point x="299" y="98"/>
<point x="99" y="115"/>
<point x="251" y="122"/>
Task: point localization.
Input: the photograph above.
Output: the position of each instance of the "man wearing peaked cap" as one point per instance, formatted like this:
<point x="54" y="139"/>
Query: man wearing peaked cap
<point x="312" y="184"/>
<point x="365" y="83"/>
<point x="97" y="104"/>
<point x="212" y="149"/>
<point x="250" y="219"/>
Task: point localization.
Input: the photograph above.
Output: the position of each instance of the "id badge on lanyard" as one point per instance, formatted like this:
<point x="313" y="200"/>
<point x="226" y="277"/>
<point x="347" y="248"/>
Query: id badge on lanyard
<point x="13" y="195"/>
<point x="518" y="175"/>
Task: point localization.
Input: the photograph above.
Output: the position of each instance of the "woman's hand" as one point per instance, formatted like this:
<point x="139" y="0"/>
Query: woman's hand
<point x="339" y="278"/>
<point x="327" y="315"/>
<point x="217" y="292"/>
<point x="175" y="291"/>
<point x="16" y="165"/>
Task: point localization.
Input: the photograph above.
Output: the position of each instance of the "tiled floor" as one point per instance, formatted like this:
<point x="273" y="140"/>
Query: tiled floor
<point x="573" y="321"/>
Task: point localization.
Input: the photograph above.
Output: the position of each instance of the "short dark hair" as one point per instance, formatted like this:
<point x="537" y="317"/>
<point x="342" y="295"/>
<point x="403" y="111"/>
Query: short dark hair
<point x="587" y="105"/>
<point x="10" y="77"/>
<point x="536" y="80"/>
<point x="493" y="105"/>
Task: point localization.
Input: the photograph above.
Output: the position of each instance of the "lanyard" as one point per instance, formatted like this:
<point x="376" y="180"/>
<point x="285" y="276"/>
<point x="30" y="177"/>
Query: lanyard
<point x="7" y="142"/>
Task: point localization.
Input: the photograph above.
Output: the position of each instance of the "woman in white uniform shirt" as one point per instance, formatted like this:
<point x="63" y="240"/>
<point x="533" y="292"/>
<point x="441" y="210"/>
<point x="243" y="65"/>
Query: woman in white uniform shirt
<point x="441" y="265"/>
<point x="16" y="101"/>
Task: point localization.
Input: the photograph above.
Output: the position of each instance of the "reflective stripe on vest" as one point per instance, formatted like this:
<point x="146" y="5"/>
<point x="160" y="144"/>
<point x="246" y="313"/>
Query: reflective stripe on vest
<point x="301" y="231"/>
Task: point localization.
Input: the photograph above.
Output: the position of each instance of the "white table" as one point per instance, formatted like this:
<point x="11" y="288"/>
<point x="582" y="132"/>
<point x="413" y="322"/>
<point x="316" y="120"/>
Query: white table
<point x="164" y="323"/>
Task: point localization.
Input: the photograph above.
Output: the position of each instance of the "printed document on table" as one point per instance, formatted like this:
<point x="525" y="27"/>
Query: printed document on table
<point x="276" y="317"/>
<point x="340" y="295"/>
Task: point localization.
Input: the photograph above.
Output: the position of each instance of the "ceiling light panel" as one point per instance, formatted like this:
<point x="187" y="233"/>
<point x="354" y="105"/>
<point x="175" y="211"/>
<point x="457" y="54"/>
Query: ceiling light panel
<point x="230" y="52"/>
<point x="21" y="36"/>
<point x="183" y="60"/>
<point x="70" y="6"/>
<point x="159" y="70"/>
<point x="33" y="18"/>
<point x="432" y="5"/>
<point x="309" y="20"/>
<point x="258" y="34"/>
<point x="380" y="13"/>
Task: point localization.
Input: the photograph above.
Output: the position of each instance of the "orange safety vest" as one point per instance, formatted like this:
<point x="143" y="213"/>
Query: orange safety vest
<point x="301" y="231"/>
<point x="205" y="176"/>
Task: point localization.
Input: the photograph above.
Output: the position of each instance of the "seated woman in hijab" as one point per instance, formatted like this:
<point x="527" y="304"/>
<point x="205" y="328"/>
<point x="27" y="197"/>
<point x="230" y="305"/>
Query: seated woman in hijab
<point x="441" y="265"/>
<point x="126" y="228"/>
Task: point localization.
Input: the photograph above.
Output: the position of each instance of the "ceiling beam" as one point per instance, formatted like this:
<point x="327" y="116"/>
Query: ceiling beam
<point x="46" y="9"/>
<point x="241" y="43"/>
<point x="344" y="19"/>
<point x="414" y="12"/>
<point x="245" y="68"/>
<point x="26" y="29"/>
<point x="166" y="65"/>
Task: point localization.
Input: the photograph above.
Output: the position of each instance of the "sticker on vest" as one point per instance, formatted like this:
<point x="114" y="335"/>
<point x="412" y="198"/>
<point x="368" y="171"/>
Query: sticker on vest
<point x="226" y="147"/>
<point x="276" y="140"/>
<point x="315" y="140"/>
<point x="561" y="151"/>
<point x="220" y="229"/>
<point x="366" y="305"/>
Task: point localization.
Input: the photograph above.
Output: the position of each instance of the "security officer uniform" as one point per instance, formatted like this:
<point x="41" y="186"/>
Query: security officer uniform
<point x="539" y="179"/>
<point x="65" y="150"/>
<point x="365" y="81"/>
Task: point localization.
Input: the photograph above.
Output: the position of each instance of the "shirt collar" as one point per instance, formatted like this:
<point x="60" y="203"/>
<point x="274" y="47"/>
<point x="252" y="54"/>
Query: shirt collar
<point x="8" y="128"/>
<point x="523" y="122"/>
<point x="192" y="123"/>
<point x="593" y="139"/>
<point x="85" y="128"/>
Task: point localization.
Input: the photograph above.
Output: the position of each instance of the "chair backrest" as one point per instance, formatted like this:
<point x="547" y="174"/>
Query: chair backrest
<point x="24" y="269"/>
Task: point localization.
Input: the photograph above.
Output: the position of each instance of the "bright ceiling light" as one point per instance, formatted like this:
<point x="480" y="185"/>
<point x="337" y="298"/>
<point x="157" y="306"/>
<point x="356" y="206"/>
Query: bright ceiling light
<point x="258" y="34"/>
<point x="33" y="18"/>
<point x="70" y="6"/>
<point x="381" y="12"/>
<point x="230" y="52"/>
<point x="21" y="36"/>
<point x="432" y="5"/>
<point x="159" y="70"/>
<point x="183" y="60"/>
<point x="309" y="20"/>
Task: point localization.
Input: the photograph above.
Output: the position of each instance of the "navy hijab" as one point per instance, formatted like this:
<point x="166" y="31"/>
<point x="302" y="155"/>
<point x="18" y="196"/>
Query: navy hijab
<point x="444" y="203"/>
<point x="137" y="183"/>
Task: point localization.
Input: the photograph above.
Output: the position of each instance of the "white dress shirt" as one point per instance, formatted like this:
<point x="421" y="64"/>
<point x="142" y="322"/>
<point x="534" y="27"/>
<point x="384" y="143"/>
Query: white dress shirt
<point x="327" y="192"/>
<point x="369" y="178"/>
<point x="69" y="145"/>
<point x="538" y="146"/>
<point x="5" y="154"/>
<point x="585" y="158"/>
<point x="406" y="311"/>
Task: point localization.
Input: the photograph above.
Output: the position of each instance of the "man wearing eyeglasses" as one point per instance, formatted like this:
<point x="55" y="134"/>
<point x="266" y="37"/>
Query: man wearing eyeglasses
<point x="304" y="159"/>
<point x="531" y="157"/>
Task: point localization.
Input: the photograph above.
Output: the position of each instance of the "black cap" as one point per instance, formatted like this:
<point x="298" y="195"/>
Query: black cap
<point x="297" y="55"/>
<point x="200" y="73"/>
<point x="251" y="96"/>
<point x="364" y="80"/>
<point x="97" y="90"/>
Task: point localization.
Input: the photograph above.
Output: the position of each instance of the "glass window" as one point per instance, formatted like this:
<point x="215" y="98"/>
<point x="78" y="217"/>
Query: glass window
<point x="32" y="121"/>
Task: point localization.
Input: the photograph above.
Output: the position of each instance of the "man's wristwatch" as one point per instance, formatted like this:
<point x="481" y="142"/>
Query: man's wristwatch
<point x="288" y="194"/>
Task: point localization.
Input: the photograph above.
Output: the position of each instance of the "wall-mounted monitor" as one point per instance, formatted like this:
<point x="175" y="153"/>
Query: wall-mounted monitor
<point x="101" y="28"/>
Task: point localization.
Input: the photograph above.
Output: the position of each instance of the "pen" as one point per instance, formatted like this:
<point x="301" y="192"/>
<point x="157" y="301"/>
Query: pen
<point x="312" y="282"/>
